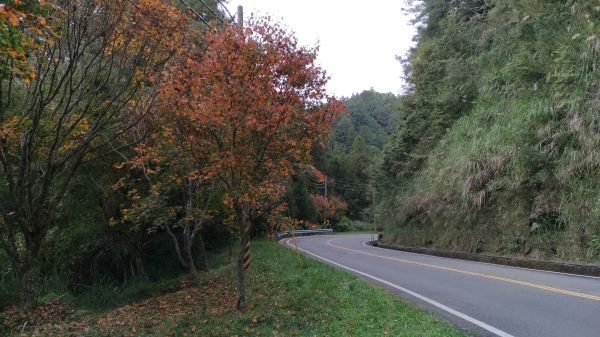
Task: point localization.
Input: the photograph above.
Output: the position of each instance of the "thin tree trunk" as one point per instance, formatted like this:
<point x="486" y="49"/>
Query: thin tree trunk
<point x="176" y="245"/>
<point x="189" y="229"/>
<point x="204" y="265"/>
<point x="241" y="273"/>
<point x="230" y="246"/>
<point x="190" y="258"/>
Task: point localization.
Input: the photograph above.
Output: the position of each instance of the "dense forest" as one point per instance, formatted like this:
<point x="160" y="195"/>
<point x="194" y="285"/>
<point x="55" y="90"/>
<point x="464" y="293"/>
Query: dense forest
<point x="497" y="148"/>
<point x="343" y="193"/>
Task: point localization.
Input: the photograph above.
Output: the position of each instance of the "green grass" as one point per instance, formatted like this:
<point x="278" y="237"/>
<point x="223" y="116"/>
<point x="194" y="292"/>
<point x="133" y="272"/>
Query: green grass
<point x="291" y="295"/>
<point x="288" y="295"/>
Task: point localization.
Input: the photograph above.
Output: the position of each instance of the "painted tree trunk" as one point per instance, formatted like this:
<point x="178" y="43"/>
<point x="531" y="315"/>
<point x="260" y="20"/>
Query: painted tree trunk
<point x="244" y="255"/>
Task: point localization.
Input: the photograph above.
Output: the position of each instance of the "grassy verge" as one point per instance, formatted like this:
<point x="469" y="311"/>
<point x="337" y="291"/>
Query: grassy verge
<point x="289" y="295"/>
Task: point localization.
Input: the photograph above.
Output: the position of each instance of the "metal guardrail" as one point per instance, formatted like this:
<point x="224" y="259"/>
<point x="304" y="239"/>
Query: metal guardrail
<point x="302" y="232"/>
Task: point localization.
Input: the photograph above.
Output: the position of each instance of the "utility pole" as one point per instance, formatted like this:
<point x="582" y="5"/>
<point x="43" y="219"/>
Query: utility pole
<point x="373" y="209"/>
<point x="240" y="15"/>
<point x="330" y="147"/>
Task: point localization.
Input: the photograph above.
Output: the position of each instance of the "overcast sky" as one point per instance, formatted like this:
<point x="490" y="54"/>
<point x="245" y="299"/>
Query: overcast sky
<point x="359" y="40"/>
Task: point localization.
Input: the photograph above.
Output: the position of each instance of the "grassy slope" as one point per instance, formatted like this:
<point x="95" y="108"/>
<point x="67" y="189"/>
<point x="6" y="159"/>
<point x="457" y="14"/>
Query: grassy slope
<point x="289" y="295"/>
<point x="519" y="174"/>
<point x="297" y="296"/>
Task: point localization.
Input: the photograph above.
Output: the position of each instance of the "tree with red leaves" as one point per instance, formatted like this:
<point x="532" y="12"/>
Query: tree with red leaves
<point x="258" y="103"/>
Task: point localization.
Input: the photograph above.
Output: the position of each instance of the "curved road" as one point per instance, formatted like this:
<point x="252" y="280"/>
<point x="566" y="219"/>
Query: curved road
<point x="483" y="299"/>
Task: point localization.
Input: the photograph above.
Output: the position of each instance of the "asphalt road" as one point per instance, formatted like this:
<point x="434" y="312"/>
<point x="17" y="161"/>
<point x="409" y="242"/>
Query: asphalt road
<point x="483" y="299"/>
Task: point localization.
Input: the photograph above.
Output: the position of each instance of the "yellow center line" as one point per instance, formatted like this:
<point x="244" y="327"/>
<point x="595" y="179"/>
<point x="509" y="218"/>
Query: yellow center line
<point x="465" y="272"/>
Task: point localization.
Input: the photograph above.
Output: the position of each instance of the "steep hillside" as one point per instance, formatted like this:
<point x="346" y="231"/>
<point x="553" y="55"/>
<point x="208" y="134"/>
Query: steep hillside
<point x="498" y="149"/>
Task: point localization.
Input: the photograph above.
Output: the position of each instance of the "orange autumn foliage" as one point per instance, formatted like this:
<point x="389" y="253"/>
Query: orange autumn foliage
<point x="331" y="208"/>
<point x="24" y="26"/>
<point x="258" y="103"/>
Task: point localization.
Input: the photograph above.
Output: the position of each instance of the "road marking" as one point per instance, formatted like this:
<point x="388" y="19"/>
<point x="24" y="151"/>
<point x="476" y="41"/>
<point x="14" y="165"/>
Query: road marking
<point x="365" y="243"/>
<point x="439" y="305"/>
<point x="465" y="272"/>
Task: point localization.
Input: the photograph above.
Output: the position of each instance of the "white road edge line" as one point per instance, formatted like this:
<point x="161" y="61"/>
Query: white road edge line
<point x="486" y="263"/>
<point x="412" y="293"/>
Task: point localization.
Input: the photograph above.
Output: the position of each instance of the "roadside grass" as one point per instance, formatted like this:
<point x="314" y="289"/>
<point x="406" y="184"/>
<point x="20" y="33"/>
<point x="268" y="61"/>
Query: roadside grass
<point x="288" y="295"/>
<point x="297" y="296"/>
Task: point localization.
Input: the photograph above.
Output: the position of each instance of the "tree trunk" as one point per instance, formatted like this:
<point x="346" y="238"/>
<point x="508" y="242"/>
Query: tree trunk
<point x="230" y="246"/>
<point x="28" y="276"/>
<point x="189" y="229"/>
<point x="176" y="245"/>
<point x="29" y="268"/>
<point x="243" y="256"/>
<point x="190" y="257"/>
<point x="204" y="260"/>
<point x="241" y="273"/>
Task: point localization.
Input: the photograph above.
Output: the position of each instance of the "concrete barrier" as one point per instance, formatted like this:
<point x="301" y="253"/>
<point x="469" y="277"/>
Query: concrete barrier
<point x="562" y="267"/>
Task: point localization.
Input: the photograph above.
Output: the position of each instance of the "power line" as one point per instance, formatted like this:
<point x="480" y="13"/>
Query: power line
<point x="213" y="12"/>
<point x="337" y="184"/>
<point x="342" y="183"/>
<point x="143" y="12"/>
<point x="340" y="186"/>
<point x="155" y="22"/>
<point x="232" y="18"/>
<point x="197" y="15"/>
<point x="184" y="2"/>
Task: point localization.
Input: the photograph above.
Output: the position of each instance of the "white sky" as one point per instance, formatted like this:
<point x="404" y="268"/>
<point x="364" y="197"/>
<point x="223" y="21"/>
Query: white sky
<point x="358" y="40"/>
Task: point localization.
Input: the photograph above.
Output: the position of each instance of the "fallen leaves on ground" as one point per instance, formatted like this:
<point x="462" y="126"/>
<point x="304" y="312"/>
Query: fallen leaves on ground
<point x="55" y="311"/>
<point x="212" y="298"/>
